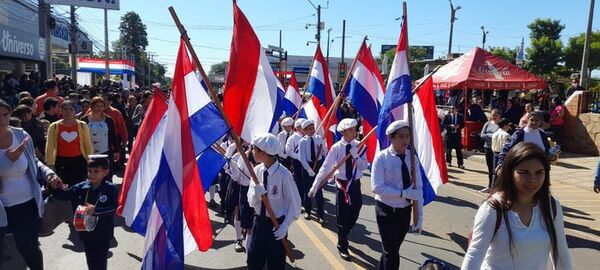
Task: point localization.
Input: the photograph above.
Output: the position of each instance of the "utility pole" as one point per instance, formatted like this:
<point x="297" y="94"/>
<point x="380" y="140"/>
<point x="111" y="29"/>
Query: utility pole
<point x="318" y="24"/>
<point x="45" y="29"/>
<point x="328" y="41"/>
<point x="583" y="79"/>
<point x="281" y="75"/>
<point x="106" y="52"/>
<point x="73" y="49"/>
<point x="342" y="64"/>
<point x="484" y="36"/>
<point x="343" y="38"/>
<point x="150" y="59"/>
<point x="452" y="19"/>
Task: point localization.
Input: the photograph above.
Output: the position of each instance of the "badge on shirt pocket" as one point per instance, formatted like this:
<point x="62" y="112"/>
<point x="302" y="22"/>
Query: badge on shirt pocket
<point x="274" y="192"/>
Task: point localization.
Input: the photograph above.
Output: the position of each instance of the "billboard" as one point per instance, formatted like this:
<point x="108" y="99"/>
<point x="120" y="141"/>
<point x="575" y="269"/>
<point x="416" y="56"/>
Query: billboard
<point x="19" y="44"/>
<point x="102" y="4"/>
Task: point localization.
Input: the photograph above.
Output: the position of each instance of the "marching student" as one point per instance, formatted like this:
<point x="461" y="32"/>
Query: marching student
<point x="283" y="136"/>
<point x="100" y="199"/>
<point x="291" y="147"/>
<point x="276" y="183"/>
<point x="348" y="195"/>
<point x="394" y="193"/>
<point x="311" y="150"/>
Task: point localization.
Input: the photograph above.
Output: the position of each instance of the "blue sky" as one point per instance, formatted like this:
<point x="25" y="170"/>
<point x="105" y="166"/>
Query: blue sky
<point x="209" y="23"/>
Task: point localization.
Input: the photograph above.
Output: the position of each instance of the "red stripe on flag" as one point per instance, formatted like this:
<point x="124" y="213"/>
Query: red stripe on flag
<point x="193" y="203"/>
<point x="241" y="71"/>
<point x="155" y="112"/>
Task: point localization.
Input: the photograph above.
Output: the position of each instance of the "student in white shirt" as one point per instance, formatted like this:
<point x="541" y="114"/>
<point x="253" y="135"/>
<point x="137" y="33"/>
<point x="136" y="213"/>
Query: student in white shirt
<point x="276" y="183"/>
<point x="395" y="193"/>
<point x="283" y="136"/>
<point x="291" y="148"/>
<point x="348" y="194"/>
<point x="499" y="138"/>
<point x="531" y="227"/>
<point x="311" y="151"/>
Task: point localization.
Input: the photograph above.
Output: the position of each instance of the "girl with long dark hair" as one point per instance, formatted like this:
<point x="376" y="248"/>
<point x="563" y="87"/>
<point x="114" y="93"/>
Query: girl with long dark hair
<point x="521" y="224"/>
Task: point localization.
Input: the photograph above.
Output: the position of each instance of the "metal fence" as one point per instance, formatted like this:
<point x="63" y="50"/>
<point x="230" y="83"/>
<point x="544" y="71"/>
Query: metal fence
<point x="593" y="102"/>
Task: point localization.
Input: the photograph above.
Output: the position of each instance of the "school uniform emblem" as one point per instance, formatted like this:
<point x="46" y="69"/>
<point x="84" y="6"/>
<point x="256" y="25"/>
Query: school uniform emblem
<point x="275" y="191"/>
<point x="103" y="198"/>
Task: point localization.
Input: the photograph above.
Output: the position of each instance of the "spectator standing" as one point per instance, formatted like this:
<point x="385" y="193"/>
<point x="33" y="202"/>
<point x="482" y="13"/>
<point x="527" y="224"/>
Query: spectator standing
<point x="51" y="110"/>
<point x="453" y="123"/>
<point x="524" y="119"/>
<point x="51" y="91"/>
<point x="33" y="127"/>
<point x="499" y="138"/>
<point x="557" y="114"/>
<point x="488" y="130"/>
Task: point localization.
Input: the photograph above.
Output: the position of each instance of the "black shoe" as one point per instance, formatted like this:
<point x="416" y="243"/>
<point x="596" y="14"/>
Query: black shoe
<point x="238" y="246"/>
<point x="344" y="253"/>
<point x="306" y="216"/>
<point x="212" y="204"/>
<point x="461" y="166"/>
<point x="449" y="164"/>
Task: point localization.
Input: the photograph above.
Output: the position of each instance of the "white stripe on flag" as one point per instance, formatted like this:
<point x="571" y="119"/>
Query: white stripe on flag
<point x="196" y="95"/>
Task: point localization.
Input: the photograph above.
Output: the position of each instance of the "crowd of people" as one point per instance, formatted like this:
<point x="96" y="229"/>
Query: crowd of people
<point x="68" y="143"/>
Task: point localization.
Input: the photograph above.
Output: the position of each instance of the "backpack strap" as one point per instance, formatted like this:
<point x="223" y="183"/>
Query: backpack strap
<point x="498" y="207"/>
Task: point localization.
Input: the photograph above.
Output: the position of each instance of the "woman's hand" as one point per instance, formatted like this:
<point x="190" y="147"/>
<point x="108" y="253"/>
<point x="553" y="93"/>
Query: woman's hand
<point x="14" y="153"/>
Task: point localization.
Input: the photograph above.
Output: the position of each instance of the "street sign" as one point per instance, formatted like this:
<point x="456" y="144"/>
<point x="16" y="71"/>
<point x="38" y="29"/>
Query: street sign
<point x="84" y="47"/>
<point x="102" y="4"/>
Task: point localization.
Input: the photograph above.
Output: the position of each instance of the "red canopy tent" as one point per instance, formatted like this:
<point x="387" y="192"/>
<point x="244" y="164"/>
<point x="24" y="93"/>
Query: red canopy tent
<point x="479" y="69"/>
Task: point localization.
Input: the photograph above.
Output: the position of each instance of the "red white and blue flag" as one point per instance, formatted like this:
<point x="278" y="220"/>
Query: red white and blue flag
<point x="321" y="87"/>
<point x="253" y="96"/>
<point x="365" y="92"/>
<point x="426" y="133"/>
<point x="162" y="195"/>
<point x="293" y="99"/>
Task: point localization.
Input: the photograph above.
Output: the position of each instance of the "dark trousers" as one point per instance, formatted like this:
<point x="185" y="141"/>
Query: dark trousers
<point x="96" y="253"/>
<point x="71" y="170"/>
<point x="24" y="223"/>
<point x="264" y="248"/>
<point x="393" y="224"/>
<point x="307" y="183"/>
<point x="453" y="142"/>
<point x="489" y="160"/>
<point x="347" y="213"/>
<point x="496" y="156"/>
<point x="299" y="178"/>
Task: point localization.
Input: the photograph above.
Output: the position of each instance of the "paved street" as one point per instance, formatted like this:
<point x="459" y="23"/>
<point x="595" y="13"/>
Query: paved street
<point x="447" y="222"/>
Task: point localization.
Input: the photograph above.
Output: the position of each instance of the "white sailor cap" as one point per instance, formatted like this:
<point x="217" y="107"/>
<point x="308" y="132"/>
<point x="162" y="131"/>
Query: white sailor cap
<point x="398" y="124"/>
<point x="298" y="123"/>
<point x="267" y="142"/>
<point x="307" y="123"/>
<point x="287" y="121"/>
<point x="346" y="123"/>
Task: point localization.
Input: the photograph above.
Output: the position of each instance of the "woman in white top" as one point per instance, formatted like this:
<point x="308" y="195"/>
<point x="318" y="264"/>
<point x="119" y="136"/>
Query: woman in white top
<point x="530" y="227"/>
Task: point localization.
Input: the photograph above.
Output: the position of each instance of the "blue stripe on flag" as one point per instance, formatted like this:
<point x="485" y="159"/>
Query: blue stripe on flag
<point x="428" y="192"/>
<point x="398" y="93"/>
<point x="317" y="88"/>
<point x="207" y="126"/>
<point x="278" y="108"/>
<point x="362" y="101"/>
<point x="288" y="107"/>
<point x="210" y="163"/>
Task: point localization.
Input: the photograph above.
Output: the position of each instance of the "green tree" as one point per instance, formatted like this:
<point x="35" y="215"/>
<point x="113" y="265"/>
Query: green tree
<point x="218" y="68"/>
<point x="573" y="52"/>
<point x="546" y="48"/>
<point x="508" y="54"/>
<point x="134" y="38"/>
<point x="415" y="54"/>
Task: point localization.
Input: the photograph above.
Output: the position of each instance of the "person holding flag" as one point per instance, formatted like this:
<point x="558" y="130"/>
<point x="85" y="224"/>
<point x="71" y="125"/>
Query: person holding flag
<point x="283" y="136"/>
<point x="312" y="149"/>
<point x="275" y="183"/>
<point x="347" y="177"/>
<point x="291" y="148"/>
<point x="394" y="193"/>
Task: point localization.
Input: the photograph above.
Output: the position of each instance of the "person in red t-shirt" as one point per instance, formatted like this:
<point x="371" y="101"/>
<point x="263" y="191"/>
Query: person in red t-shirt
<point x="51" y="91"/>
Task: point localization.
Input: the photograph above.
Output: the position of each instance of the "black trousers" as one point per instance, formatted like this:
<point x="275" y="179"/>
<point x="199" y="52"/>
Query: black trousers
<point x="298" y="178"/>
<point x="24" y="223"/>
<point x="496" y="156"/>
<point x="71" y="170"/>
<point x="489" y="161"/>
<point x="264" y="248"/>
<point x="453" y="142"/>
<point x="347" y="213"/>
<point x="96" y="253"/>
<point x="393" y="224"/>
<point x="307" y="184"/>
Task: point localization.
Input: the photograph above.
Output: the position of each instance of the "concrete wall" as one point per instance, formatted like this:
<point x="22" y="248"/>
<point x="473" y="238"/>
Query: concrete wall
<point x="581" y="130"/>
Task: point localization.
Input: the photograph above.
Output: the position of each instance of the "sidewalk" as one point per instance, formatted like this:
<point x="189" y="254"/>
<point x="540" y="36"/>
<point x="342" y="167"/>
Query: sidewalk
<point x="573" y="169"/>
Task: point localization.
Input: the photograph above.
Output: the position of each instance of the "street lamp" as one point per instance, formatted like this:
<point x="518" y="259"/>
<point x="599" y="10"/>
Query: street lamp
<point x="484" y="36"/>
<point x="452" y="19"/>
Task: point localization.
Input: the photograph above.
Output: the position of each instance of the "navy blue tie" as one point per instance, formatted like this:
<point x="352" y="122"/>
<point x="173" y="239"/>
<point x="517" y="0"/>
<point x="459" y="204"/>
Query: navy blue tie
<point x="265" y="184"/>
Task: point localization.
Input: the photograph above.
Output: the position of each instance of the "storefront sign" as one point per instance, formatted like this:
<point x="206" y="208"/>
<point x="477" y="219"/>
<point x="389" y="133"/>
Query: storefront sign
<point x="18" y="44"/>
<point x="103" y="4"/>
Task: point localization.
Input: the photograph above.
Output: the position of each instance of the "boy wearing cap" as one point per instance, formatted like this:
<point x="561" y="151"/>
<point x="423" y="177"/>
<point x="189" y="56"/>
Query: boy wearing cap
<point x="100" y="199"/>
<point x="348" y="195"/>
<point x="391" y="183"/>
<point x="283" y="136"/>
<point x="275" y="181"/>
<point x="291" y="147"/>
<point x="311" y="151"/>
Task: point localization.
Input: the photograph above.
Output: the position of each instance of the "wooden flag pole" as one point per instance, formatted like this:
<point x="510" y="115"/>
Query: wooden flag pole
<point x="236" y="138"/>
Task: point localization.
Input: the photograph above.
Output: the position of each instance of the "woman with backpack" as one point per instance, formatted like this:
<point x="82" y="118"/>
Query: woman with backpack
<point x="521" y="225"/>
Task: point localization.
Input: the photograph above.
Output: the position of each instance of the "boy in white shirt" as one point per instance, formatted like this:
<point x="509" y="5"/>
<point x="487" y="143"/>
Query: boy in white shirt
<point x="311" y="151"/>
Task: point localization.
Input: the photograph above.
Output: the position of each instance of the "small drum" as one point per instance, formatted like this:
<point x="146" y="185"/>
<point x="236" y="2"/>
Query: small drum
<point x="82" y="221"/>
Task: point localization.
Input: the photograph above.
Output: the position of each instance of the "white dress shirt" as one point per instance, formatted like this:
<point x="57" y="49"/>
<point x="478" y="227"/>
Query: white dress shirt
<point x="283" y="137"/>
<point x="292" y="144"/>
<point x="337" y="153"/>
<point x="304" y="150"/>
<point x="386" y="180"/>
<point x="281" y="190"/>
<point x="532" y="246"/>
<point x="499" y="138"/>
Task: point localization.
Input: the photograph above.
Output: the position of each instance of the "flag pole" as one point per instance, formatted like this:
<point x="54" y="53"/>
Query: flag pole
<point x="236" y="138"/>
<point x="411" y="125"/>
